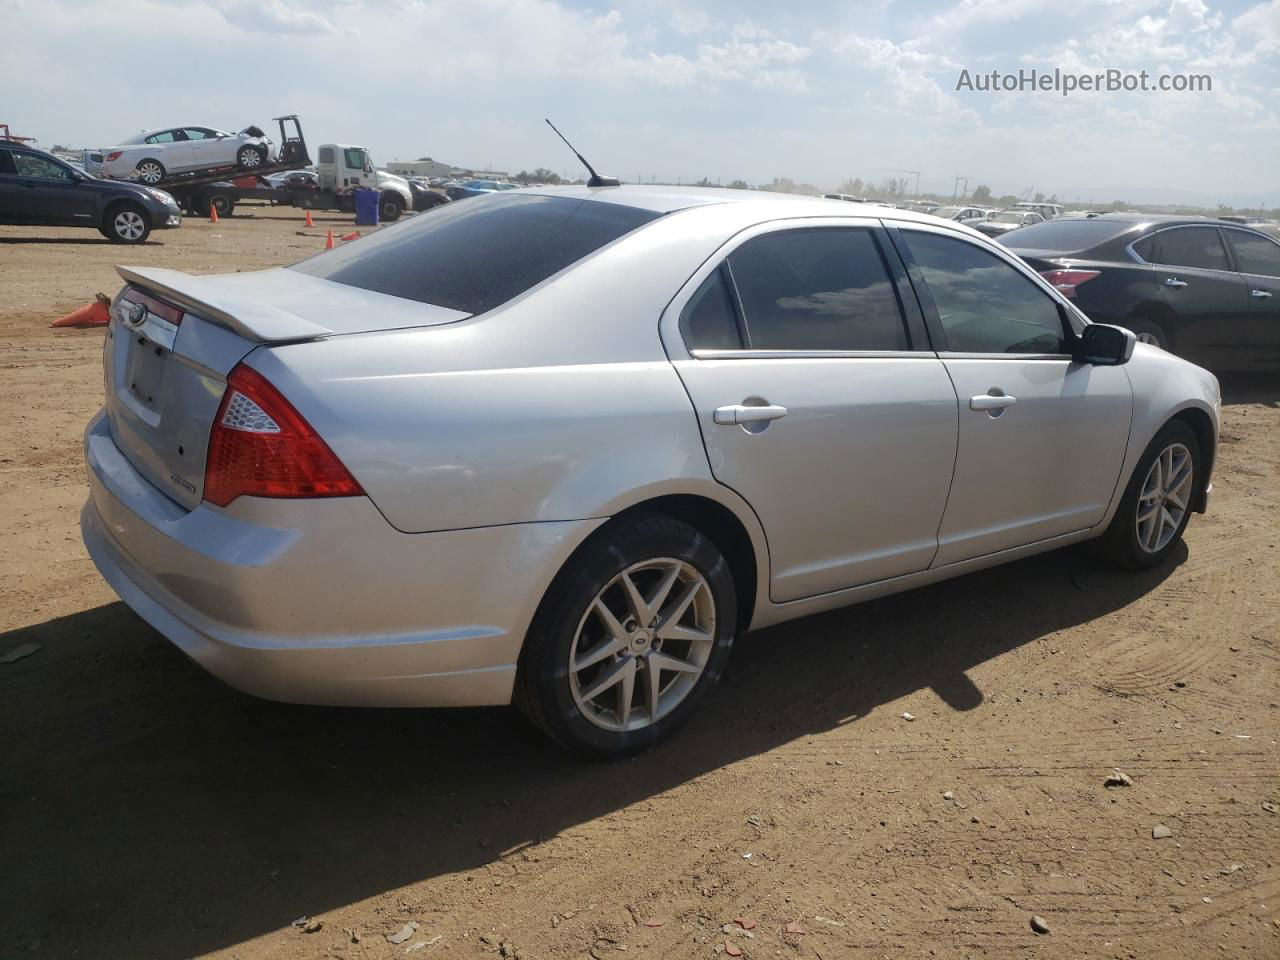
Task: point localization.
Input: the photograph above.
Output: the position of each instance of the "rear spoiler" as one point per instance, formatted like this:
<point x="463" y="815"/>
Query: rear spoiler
<point x="207" y="300"/>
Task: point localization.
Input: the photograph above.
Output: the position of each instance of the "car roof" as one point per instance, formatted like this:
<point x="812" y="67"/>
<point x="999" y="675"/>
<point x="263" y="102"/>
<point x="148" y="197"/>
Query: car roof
<point x="665" y="199"/>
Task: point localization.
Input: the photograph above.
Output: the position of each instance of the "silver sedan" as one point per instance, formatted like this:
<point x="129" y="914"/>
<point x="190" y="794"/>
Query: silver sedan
<point x="558" y="447"/>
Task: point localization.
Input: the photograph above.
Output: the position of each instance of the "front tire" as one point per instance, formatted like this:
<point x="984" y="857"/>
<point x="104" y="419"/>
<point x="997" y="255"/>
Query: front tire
<point x="249" y="158"/>
<point x="1156" y="506"/>
<point x="126" y="223"/>
<point x="630" y="638"/>
<point x="150" y="171"/>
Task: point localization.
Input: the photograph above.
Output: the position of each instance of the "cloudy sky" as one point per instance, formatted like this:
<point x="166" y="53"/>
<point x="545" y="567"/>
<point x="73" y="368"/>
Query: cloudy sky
<point x="814" y="91"/>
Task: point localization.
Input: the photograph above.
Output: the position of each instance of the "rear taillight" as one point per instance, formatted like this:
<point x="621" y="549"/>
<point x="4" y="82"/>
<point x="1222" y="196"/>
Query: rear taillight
<point x="1066" y="281"/>
<point x="261" y="447"/>
<point x="111" y="157"/>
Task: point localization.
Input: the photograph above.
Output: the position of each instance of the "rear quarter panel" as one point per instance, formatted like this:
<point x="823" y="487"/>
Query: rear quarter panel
<point x="559" y="405"/>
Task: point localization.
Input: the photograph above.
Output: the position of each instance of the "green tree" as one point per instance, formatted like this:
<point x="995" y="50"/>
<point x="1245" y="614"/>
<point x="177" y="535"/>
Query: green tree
<point x="981" y="194"/>
<point x="739" y="185"/>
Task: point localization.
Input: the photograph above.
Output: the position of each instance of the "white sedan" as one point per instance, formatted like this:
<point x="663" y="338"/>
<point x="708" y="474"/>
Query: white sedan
<point x="153" y="155"/>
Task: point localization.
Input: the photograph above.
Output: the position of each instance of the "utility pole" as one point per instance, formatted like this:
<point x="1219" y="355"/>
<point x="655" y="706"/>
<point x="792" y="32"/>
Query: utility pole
<point x="915" y="173"/>
<point x="956" y="188"/>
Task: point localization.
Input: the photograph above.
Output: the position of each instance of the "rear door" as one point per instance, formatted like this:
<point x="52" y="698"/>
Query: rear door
<point x="1041" y="438"/>
<point x="1258" y="260"/>
<point x="819" y="401"/>
<point x="172" y="149"/>
<point x="1210" y="300"/>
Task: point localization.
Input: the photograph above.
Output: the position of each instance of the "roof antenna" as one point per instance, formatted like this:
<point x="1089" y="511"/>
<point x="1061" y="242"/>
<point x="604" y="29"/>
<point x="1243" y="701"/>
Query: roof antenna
<point x="596" y="180"/>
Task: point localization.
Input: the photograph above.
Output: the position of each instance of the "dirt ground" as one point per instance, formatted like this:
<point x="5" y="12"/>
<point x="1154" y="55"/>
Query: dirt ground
<point x="147" y="811"/>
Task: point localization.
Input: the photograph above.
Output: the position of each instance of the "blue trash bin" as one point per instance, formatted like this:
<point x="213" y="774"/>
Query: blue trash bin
<point x="366" y="207"/>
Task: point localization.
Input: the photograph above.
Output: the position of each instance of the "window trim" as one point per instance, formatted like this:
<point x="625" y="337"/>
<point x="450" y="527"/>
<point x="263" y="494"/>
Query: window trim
<point x="938" y="334"/>
<point x="912" y="325"/>
<point x="1231" y="252"/>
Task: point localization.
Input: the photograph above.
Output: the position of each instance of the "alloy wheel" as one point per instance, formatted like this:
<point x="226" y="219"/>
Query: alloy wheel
<point x="129" y="225"/>
<point x="642" y="644"/>
<point x="250" y="158"/>
<point x="1165" y="495"/>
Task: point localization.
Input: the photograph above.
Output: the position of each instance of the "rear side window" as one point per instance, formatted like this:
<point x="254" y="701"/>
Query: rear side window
<point x="817" y="289"/>
<point x="985" y="305"/>
<point x="708" y="321"/>
<point x="1191" y="247"/>
<point x="1254" y="254"/>
<point x="326" y="154"/>
<point x="1145" y="248"/>
<point x="478" y="254"/>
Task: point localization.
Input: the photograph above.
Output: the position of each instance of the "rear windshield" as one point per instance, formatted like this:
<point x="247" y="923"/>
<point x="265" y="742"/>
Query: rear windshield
<point x="1066" y="235"/>
<point x="475" y="254"/>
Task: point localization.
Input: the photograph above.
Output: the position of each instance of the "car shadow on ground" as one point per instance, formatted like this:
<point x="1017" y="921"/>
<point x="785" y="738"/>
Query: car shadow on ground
<point x="133" y="778"/>
<point x="78" y="241"/>
<point x="1262" y="387"/>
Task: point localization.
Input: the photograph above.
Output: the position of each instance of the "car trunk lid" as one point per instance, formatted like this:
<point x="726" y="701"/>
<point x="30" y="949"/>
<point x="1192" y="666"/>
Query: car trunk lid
<point x="174" y="338"/>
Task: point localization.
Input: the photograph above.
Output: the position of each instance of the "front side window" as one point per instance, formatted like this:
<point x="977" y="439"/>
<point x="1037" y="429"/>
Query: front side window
<point x="30" y="165"/>
<point x="1254" y="254"/>
<point x="985" y="305"/>
<point x="353" y="158"/>
<point x="1199" y="247"/>
<point x="477" y="255"/>
<point x="817" y="289"/>
<point x="197" y="133"/>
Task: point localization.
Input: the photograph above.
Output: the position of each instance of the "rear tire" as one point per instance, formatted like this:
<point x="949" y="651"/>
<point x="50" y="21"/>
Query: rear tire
<point x="666" y="649"/>
<point x="1150" y="332"/>
<point x="126" y="223"/>
<point x="1156" y="506"/>
<point x="150" y="171"/>
<point x="390" y="206"/>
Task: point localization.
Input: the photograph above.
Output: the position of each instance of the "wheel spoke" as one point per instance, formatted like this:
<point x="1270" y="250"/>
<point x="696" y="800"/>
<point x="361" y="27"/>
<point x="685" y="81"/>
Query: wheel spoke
<point x="660" y="594"/>
<point x="664" y="661"/>
<point x="610" y="676"/>
<point x="676" y="612"/>
<point x="649" y="681"/>
<point x="626" y="692"/>
<point x="635" y="602"/>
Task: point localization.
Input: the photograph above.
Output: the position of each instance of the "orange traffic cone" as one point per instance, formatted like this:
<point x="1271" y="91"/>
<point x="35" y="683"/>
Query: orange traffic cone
<point x="309" y="223"/>
<point x="353" y="235"/>
<point x="213" y="212"/>
<point x="328" y="242"/>
<point x="93" y="314"/>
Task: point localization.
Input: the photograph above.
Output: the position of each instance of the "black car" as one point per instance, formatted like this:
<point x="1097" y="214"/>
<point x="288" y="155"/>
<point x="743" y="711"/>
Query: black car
<point x="38" y="189"/>
<point x="1204" y="289"/>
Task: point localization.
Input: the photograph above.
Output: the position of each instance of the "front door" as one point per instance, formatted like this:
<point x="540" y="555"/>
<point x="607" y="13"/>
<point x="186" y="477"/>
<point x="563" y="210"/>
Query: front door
<point x="51" y="194"/>
<point x="1258" y="260"/>
<point x="1041" y="438"/>
<point x="815" y="407"/>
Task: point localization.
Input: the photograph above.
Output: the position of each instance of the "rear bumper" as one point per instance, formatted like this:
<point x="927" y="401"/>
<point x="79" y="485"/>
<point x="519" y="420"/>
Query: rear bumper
<point x="321" y="601"/>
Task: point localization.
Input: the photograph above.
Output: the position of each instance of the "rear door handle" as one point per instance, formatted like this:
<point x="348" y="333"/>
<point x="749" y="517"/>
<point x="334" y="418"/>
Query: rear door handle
<point x="1260" y="294"/>
<point x="1174" y="282"/>
<point x="991" y="401"/>
<point x="746" y="413"/>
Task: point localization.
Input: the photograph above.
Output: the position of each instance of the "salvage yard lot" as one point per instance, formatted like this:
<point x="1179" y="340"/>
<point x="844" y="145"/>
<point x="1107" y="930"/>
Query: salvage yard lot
<point x="148" y="811"/>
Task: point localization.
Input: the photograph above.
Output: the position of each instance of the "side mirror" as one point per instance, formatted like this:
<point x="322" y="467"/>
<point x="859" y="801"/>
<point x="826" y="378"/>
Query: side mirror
<point x="1105" y="345"/>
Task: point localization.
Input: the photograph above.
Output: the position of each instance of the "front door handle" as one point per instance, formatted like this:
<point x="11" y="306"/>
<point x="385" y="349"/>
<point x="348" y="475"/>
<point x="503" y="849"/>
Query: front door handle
<point x="746" y="413"/>
<point x="1174" y="282"/>
<point x="991" y="401"/>
<point x="1260" y="294"/>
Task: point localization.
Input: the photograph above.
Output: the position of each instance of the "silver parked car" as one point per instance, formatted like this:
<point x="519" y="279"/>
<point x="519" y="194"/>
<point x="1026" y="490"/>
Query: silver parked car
<point x="560" y="446"/>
